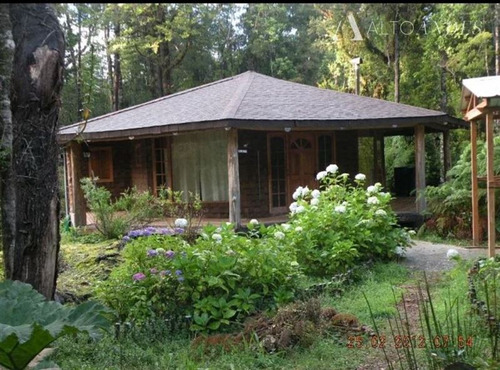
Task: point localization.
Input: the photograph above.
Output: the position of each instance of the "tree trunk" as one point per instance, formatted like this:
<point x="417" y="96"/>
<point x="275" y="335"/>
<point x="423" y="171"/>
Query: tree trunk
<point x="7" y="186"/>
<point x="31" y="253"/>
<point x="79" y="78"/>
<point x="396" y="57"/>
<point x="109" y="62"/>
<point x="497" y="39"/>
<point x="117" y="82"/>
<point x="444" y="91"/>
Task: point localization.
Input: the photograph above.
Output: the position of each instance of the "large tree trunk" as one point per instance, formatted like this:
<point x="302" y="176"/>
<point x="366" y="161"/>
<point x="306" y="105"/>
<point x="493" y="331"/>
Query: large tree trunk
<point x="7" y="187"/>
<point x="31" y="252"/>
<point x="497" y="39"/>
<point x="397" y="72"/>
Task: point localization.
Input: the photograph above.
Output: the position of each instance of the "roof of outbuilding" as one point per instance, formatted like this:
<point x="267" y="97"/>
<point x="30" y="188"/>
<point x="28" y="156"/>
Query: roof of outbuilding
<point x="252" y="100"/>
<point x="481" y="87"/>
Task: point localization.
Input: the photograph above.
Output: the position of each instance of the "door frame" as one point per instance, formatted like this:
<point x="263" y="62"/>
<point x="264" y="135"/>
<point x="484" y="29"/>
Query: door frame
<point x="287" y="137"/>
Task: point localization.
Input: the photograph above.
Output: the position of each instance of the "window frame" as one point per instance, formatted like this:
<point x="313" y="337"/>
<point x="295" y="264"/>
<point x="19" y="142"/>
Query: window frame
<point x="109" y="157"/>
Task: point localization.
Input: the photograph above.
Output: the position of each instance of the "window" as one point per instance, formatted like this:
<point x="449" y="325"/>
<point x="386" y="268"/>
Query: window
<point x="199" y="163"/>
<point x="278" y="179"/>
<point x="161" y="163"/>
<point x="101" y="164"/>
<point x="325" y="151"/>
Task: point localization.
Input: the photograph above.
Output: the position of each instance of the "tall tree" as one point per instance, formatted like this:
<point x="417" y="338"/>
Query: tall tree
<point x="31" y="222"/>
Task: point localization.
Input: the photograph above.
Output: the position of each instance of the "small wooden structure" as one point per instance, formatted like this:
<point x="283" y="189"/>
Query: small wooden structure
<point x="481" y="102"/>
<point x="243" y="143"/>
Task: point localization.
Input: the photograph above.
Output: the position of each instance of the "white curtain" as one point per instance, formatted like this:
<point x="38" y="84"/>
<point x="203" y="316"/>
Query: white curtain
<point x="199" y="162"/>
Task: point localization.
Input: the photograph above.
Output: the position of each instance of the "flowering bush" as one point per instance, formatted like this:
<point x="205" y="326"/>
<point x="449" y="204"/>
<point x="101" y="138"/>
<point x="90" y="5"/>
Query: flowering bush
<point x="341" y="223"/>
<point x="220" y="278"/>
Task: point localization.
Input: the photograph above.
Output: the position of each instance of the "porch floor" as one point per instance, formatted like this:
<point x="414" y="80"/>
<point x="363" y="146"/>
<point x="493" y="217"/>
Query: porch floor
<point x="403" y="206"/>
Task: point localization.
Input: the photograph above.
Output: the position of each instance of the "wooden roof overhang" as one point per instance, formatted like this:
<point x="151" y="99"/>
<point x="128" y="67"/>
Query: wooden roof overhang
<point x="390" y="127"/>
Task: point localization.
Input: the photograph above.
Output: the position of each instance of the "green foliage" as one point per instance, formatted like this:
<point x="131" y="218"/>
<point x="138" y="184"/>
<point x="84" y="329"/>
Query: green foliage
<point x="113" y="219"/>
<point x="175" y="207"/>
<point x="218" y="280"/>
<point x="339" y="225"/>
<point x="450" y="204"/>
<point x="29" y="323"/>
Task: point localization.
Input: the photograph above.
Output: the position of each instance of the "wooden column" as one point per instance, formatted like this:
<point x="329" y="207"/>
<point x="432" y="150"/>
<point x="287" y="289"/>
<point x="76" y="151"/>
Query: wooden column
<point x="420" y="167"/>
<point x="475" y="193"/>
<point x="78" y="205"/>
<point x="382" y="158"/>
<point x="233" y="178"/>
<point x="490" y="184"/>
<point x="446" y="154"/>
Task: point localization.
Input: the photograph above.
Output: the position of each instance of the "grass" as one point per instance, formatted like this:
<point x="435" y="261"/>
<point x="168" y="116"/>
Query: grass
<point x="154" y="348"/>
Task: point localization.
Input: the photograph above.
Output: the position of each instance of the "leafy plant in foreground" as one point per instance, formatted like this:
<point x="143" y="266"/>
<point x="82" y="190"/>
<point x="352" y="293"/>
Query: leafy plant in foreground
<point x="29" y="323"/>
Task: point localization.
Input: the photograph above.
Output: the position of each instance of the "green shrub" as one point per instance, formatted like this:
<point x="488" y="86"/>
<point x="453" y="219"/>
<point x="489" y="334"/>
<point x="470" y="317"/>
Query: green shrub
<point x="221" y="278"/>
<point x="29" y="323"/>
<point x="113" y="219"/>
<point x="450" y="204"/>
<point x="334" y="227"/>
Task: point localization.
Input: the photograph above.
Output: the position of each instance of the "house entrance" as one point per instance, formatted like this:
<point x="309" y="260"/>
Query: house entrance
<point x="294" y="159"/>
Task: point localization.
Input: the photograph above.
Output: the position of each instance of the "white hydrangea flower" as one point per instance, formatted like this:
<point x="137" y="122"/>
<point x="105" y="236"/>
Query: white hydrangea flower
<point x="300" y="209"/>
<point x="400" y="251"/>
<point x="305" y="191"/>
<point x="452" y="253"/>
<point x="181" y="222"/>
<point x="217" y="237"/>
<point x="344" y="203"/>
<point x="315" y="193"/>
<point x="412" y="232"/>
<point x="279" y="235"/>
<point x="378" y="185"/>
<point x="297" y="193"/>
<point x="340" y="209"/>
<point x="299" y="229"/>
<point x="314" y="201"/>
<point x="333" y="168"/>
<point x="253" y="221"/>
<point x="286" y="227"/>
<point x="321" y="175"/>
<point x="380" y="212"/>
<point x="372" y="200"/>
<point x="293" y="207"/>
<point x="360" y="177"/>
<point x="371" y="189"/>
<point x="345" y="175"/>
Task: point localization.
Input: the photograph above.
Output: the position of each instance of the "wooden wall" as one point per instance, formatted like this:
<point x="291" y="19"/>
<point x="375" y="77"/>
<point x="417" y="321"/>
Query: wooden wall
<point x="347" y="151"/>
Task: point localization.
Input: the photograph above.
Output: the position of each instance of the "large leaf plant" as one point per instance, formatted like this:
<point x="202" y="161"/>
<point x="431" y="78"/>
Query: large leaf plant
<point x="29" y="323"/>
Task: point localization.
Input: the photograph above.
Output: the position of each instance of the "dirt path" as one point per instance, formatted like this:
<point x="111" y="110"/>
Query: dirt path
<point x="431" y="258"/>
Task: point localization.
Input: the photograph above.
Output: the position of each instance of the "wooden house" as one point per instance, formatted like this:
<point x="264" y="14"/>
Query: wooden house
<point x="243" y="143"/>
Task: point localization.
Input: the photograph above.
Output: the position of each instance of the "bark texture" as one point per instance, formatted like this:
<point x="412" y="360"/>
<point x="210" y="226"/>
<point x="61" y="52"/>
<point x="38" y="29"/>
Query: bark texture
<point x="31" y="249"/>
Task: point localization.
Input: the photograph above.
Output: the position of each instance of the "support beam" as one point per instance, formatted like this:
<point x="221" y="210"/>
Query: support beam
<point x="446" y="154"/>
<point x="475" y="191"/>
<point x="490" y="186"/>
<point x="233" y="178"/>
<point x="420" y="167"/>
<point x="78" y="206"/>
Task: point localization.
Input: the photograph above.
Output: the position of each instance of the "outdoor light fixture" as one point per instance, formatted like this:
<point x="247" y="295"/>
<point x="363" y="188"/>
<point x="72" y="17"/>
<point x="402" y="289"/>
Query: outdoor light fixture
<point x="227" y="128"/>
<point x="175" y="133"/>
<point x="394" y="125"/>
<point x="131" y="138"/>
<point x="86" y="154"/>
<point x="288" y="129"/>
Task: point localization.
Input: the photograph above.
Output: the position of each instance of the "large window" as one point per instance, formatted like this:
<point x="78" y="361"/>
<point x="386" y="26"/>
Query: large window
<point x="277" y="165"/>
<point x="325" y="151"/>
<point x="101" y="164"/>
<point x="199" y="162"/>
<point x="161" y="163"/>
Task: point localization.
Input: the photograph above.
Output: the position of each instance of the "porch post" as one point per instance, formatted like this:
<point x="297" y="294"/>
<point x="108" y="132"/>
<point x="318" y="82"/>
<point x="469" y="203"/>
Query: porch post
<point x="475" y="192"/>
<point x="446" y="153"/>
<point x="77" y="202"/>
<point x="420" y="167"/>
<point x="233" y="178"/>
<point x="490" y="184"/>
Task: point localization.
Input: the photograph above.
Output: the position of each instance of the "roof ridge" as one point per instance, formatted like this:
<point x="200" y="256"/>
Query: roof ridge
<point x="157" y="100"/>
<point x="235" y="102"/>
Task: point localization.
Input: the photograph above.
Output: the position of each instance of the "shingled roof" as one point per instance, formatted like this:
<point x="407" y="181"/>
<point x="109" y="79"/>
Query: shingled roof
<point x="254" y="101"/>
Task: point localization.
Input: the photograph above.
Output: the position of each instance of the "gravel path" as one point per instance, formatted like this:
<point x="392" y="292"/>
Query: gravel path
<point x="432" y="257"/>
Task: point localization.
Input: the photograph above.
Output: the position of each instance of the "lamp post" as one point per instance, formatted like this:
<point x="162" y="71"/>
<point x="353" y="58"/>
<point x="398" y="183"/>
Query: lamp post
<point x="356" y="63"/>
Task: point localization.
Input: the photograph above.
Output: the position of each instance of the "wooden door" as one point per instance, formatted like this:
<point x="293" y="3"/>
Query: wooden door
<point x="301" y="162"/>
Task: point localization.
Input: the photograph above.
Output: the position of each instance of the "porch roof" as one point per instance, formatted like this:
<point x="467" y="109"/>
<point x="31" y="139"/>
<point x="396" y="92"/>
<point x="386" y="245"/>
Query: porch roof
<point x="254" y="101"/>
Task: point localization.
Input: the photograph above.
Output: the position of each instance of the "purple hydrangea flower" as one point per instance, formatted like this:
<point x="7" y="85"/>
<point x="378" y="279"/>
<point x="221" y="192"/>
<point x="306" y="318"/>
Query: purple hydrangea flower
<point x="139" y="276"/>
<point x="152" y="253"/>
<point x="170" y="254"/>
<point x="178" y="272"/>
<point x="178" y="230"/>
<point x="180" y="279"/>
<point x="153" y="270"/>
<point x="126" y="238"/>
